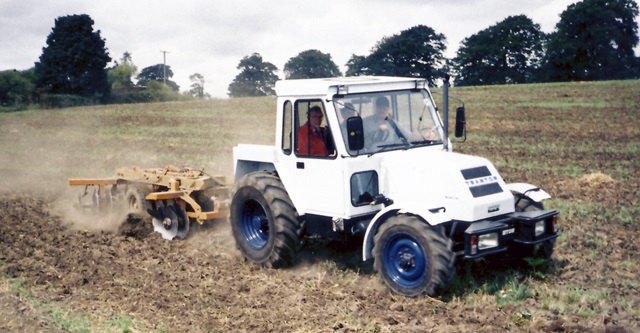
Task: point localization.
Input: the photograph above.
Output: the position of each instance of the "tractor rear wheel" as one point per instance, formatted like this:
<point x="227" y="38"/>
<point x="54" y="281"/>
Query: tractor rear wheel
<point x="412" y="258"/>
<point x="265" y="224"/>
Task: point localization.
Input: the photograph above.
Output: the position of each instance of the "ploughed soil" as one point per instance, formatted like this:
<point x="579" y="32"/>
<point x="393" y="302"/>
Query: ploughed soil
<point x="202" y="284"/>
<point x="64" y="271"/>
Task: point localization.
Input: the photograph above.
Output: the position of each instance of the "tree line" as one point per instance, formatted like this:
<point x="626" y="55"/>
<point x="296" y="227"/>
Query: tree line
<point x="72" y="71"/>
<point x="594" y="40"/>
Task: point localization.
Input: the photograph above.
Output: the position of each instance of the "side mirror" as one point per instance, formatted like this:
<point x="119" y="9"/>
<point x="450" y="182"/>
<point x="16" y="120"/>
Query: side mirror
<point x="460" y="122"/>
<point x="355" y="133"/>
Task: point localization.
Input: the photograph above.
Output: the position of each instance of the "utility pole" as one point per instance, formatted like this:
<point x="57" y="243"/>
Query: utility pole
<point x="165" y="66"/>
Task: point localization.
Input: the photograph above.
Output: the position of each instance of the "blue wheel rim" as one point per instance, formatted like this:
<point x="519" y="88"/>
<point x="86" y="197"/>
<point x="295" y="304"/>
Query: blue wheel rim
<point x="405" y="261"/>
<point x="254" y="224"/>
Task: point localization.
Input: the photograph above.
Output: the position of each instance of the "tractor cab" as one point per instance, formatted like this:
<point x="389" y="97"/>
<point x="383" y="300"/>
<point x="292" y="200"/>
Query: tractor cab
<point x="334" y="132"/>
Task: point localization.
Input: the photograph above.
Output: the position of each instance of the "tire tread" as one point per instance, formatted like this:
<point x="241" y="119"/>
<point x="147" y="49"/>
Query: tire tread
<point x="442" y="257"/>
<point x="288" y="229"/>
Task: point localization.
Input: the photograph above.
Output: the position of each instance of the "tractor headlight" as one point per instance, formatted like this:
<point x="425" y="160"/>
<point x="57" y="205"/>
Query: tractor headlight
<point x="487" y="241"/>
<point x="539" y="228"/>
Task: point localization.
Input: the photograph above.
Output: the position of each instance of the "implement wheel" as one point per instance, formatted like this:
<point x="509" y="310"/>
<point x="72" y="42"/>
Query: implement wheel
<point x="135" y="199"/>
<point x="412" y="258"/>
<point x="265" y="224"/>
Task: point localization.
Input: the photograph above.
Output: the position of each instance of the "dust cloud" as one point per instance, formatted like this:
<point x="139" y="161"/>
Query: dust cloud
<point x="40" y="153"/>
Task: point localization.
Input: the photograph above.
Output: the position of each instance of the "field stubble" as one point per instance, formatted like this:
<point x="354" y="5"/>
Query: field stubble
<point x="66" y="272"/>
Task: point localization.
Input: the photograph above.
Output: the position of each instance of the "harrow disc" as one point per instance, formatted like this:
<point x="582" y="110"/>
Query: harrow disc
<point x="167" y="224"/>
<point x="171" y="222"/>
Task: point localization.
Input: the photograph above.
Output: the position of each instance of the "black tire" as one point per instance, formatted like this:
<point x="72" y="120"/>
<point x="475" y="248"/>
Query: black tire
<point x="135" y="199"/>
<point x="265" y="224"/>
<point x="412" y="258"/>
<point x="544" y="250"/>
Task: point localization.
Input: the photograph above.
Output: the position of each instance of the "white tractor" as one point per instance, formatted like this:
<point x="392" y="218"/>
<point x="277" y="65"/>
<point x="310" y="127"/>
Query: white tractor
<point x="368" y="159"/>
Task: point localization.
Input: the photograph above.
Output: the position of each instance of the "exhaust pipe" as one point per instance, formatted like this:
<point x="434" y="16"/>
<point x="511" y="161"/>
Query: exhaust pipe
<point x="445" y="105"/>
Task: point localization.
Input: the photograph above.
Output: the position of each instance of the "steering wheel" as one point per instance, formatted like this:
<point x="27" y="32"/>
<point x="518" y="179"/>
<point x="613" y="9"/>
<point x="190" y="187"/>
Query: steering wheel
<point x="429" y="131"/>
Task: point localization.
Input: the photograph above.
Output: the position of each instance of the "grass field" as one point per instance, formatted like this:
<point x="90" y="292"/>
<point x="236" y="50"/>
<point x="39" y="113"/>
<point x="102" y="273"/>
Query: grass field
<point x="579" y="141"/>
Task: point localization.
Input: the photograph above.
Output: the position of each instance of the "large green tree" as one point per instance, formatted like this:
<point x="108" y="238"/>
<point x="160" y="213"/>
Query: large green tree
<point x="594" y="40"/>
<point x="415" y="52"/>
<point x="156" y="73"/>
<point x="311" y="64"/>
<point x="256" y="78"/>
<point x="509" y="52"/>
<point x="74" y="60"/>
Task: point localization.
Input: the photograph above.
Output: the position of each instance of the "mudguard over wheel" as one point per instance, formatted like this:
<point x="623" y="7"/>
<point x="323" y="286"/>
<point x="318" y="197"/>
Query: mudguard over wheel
<point x="265" y="224"/>
<point x="412" y="258"/>
<point x="544" y="250"/>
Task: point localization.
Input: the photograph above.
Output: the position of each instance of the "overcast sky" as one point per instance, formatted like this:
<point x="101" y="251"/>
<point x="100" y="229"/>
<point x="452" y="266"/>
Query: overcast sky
<point x="211" y="37"/>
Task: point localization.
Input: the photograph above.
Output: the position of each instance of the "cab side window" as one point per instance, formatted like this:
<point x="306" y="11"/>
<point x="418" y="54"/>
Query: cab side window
<point x="313" y="137"/>
<point x="287" y="126"/>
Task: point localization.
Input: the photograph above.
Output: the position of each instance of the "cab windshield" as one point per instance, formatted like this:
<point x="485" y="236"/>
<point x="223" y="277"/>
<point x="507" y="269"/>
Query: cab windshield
<point x="391" y="119"/>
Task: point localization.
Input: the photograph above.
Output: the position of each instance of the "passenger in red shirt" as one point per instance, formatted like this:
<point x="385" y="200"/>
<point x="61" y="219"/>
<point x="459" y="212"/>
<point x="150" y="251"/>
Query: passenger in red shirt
<point x="311" y="136"/>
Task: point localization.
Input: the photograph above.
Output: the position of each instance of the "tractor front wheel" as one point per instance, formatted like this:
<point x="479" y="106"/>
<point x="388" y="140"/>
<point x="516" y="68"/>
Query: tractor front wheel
<point x="412" y="258"/>
<point x="265" y="224"/>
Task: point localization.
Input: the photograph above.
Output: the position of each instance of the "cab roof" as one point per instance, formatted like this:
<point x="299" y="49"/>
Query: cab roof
<point x="351" y="84"/>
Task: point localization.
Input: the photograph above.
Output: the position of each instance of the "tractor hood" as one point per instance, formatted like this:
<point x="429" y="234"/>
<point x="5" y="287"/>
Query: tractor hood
<point x="469" y="188"/>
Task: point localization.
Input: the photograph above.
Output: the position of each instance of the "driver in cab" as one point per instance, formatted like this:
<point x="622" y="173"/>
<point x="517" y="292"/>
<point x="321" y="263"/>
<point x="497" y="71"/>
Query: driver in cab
<point x="381" y="129"/>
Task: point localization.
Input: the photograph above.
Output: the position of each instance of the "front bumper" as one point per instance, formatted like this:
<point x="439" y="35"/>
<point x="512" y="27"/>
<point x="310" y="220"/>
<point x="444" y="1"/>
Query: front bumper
<point x="490" y="237"/>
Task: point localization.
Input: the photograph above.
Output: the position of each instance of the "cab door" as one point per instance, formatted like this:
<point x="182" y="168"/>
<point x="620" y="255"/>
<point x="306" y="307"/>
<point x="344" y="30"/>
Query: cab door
<point x="315" y="181"/>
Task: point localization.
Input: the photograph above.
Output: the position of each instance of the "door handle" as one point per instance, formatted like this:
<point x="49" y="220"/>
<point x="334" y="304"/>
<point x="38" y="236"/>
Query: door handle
<point x="300" y="165"/>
